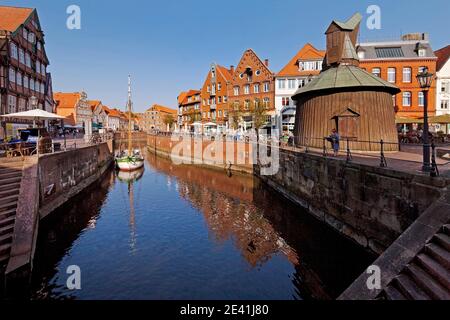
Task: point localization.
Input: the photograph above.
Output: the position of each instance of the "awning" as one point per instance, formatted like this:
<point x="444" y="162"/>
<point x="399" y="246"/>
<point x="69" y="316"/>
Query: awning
<point x="442" y="119"/>
<point x="36" y="115"/>
<point x="401" y="120"/>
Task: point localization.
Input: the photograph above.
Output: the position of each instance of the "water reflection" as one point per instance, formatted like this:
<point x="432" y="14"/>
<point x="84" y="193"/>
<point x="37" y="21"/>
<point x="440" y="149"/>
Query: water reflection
<point x="192" y="234"/>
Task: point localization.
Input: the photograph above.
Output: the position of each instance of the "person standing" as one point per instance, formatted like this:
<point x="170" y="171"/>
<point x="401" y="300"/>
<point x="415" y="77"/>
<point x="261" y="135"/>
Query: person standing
<point x="335" y="140"/>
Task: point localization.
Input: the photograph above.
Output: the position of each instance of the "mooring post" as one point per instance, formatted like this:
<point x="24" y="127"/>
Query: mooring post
<point x="383" y="162"/>
<point x="434" y="169"/>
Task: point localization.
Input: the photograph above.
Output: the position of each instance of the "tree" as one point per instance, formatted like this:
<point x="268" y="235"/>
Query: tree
<point x="259" y="115"/>
<point x="235" y="114"/>
<point x="169" y="120"/>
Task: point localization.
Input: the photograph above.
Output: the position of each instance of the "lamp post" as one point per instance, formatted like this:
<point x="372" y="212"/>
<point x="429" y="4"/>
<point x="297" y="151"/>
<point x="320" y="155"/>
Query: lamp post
<point x="425" y="80"/>
<point x="33" y="103"/>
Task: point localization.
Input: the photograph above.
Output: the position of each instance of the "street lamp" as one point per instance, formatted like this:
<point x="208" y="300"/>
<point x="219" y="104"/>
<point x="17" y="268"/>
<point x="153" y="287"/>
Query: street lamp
<point x="425" y="80"/>
<point x="33" y="103"/>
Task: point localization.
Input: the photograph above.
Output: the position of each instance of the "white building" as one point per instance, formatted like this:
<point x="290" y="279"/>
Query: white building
<point x="302" y="68"/>
<point x="443" y="82"/>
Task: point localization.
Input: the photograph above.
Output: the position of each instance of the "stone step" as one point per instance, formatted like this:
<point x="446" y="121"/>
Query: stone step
<point x="9" y="199"/>
<point x="10" y="180"/>
<point x="5" y="239"/>
<point x="9" y="192"/>
<point x="10" y="175"/>
<point x="5" y="222"/>
<point x="7" y="229"/>
<point x="8" y="213"/>
<point x="11" y="165"/>
<point x="439" y="254"/>
<point x="439" y="273"/>
<point x="10" y="170"/>
<point x="8" y="206"/>
<point x="409" y="289"/>
<point x="5" y="187"/>
<point x="446" y="229"/>
<point x="5" y="249"/>
<point x="392" y="293"/>
<point x="4" y="259"/>
<point x="427" y="283"/>
<point x="443" y="240"/>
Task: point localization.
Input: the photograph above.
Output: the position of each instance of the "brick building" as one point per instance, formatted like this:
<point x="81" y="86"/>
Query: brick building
<point x="252" y="83"/>
<point x="303" y="67"/>
<point x="156" y="118"/>
<point x="214" y="95"/>
<point x="189" y="110"/>
<point x="399" y="62"/>
<point x="77" y="110"/>
<point x="23" y="66"/>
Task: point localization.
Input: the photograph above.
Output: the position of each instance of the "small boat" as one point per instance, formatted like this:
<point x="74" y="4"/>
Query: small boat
<point x="129" y="160"/>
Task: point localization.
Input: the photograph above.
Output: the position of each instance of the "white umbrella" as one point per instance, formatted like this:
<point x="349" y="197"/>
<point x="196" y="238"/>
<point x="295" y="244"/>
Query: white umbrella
<point x="36" y="115"/>
<point x="210" y="124"/>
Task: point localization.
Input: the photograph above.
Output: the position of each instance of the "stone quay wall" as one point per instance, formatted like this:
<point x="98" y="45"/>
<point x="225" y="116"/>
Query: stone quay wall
<point x="372" y="206"/>
<point x="234" y="156"/>
<point x="65" y="174"/>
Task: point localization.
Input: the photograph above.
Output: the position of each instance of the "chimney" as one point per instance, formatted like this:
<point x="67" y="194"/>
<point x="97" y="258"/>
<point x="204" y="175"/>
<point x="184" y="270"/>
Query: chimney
<point x="266" y="62"/>
<point x="231" y="69"/>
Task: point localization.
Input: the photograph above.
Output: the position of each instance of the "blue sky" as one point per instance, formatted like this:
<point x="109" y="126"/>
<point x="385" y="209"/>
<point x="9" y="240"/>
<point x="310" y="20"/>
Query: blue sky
<point x="167" y="46"/>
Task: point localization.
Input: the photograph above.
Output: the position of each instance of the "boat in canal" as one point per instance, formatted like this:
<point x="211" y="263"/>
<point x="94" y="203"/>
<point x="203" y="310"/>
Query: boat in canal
<point x="130" y="159"/>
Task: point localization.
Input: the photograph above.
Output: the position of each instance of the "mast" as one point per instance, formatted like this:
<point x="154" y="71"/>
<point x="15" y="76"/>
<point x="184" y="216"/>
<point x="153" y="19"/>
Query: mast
<point x="129" y="103"/>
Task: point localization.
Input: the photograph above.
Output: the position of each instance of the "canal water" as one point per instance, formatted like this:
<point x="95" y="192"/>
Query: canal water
<point x="183" y="232"/>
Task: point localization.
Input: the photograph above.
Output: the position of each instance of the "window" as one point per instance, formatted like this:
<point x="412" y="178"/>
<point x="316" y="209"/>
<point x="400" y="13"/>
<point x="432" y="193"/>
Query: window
<point x="26" y="82"/>
<point x="445" y="87"/>
<point x="281" y="83"/>
<point x="219" y="86"/>
<point x="266" y="86"/>
<point x="247" y="105"/>
<point x="19" y="78"/>
<point x="421" y="99"/>
<point x="14" y="54"/>
<point x="204" y="102"/>
<point x="21" y="56"/>
<point x="392" y="75"/>
<point x="301" y="83"/>
<point x="376" y="72"/>
<point x="225" y="99"/>
<point x="31" y="37"/>
<point x="444" y="104"/>
<point x="219" y="99"/>
<point x="11" y="104"/>
<point x="25" y="34"/>
<point x="310" y="65"/>
<point x="12" y="75"/>
<point x="28" y="60"/>
<point x="249" y="78"/>
<point x="247" y="89"/>
<point x="220" y="113"/>
<point x="39" y="45"/>
<point x="422" y="52"/>
<point x="208" y="89"/>
<point x="22" y="105"/>
<point x="266" y="103"/>
<point x="292" y="84"/>
<point x="422" y="69"/>
<point x="407" y="99"/>
<point x="213" y="89"/>
<point x="42" y="88"/>
<point x="32" y="84"/>
<point x="236" y="91"/>
<point x="285" y="101"/>
<point x="256" y="88"/>
<point x="38" y="66"/>
<point x="258" y="72"/>
<point x="407" y="75"/>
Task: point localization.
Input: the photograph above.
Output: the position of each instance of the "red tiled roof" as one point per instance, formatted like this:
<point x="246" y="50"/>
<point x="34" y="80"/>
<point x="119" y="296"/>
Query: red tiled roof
<point x="94" y="104"/>
<point x="189" y="94"/>
<point x="225" y="72"/>
<point x="181" y="97"/>
<point x="443" y="55"/>
<point x="11" y="18"/>
<point x="66" y="100"/>
<point x="159" y="108"/>
<point x="307" y="52"/>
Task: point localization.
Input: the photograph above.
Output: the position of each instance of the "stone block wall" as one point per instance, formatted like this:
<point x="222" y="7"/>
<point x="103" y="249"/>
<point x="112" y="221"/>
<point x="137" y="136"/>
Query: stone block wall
<point x="371" y="205"/>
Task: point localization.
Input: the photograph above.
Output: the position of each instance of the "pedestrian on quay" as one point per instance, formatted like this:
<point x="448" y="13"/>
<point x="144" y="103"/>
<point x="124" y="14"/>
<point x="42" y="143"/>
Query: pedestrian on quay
<point x="335" y="140"/>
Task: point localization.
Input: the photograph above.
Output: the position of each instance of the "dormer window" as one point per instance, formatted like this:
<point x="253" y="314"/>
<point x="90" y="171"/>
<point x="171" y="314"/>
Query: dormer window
<point x="361" y="54"/>
<point x="422" y="52"/>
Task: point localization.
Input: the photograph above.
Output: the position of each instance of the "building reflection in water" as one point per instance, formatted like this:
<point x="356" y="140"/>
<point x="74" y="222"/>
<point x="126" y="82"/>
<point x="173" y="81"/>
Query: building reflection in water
<point x="261" y="224"/>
